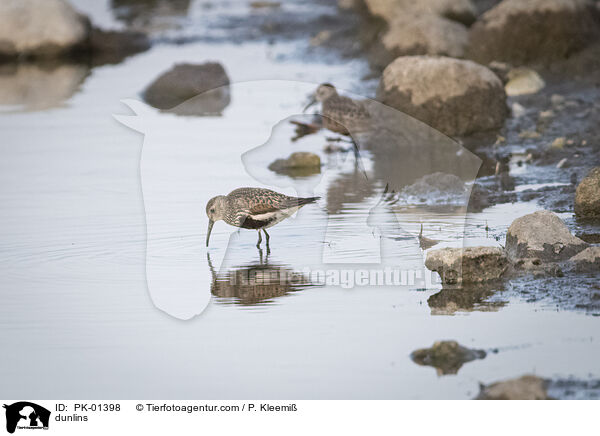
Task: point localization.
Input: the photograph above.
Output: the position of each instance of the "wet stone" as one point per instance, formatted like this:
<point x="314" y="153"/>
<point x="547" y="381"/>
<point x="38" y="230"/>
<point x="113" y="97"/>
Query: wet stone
<point x="541" y="235"/>
<point x="446" y="356"/>
<point x="299" y="164"/>
<point x="467" y="265"/>
<point x="527" y="387"/>
<point x="587" y="196"/>
<point x="186" y="81"/>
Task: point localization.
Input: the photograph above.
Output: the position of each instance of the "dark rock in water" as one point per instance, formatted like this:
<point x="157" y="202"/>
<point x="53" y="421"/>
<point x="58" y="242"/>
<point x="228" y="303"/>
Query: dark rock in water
<point x="40" y="29"/>
<point x="588" y="260"/>
<point x="299" y="164"/>
<point x="446" y="356"/>
<point x="527" y="387"/>
<point x="207" y="84"/>
<point x="467" y="265"/>
<point x="453" y="96"/>
<point x="541" y="235"/>
<point x="436" y="188"/>
<point x="520" y="31"/>
<point x="587" y="196"/>
<point x="111" y="47"/>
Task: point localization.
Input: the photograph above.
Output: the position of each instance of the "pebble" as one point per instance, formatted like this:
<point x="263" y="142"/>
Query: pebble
<point x="558" y="143"/>
<point x="518" y="110"/>
<point x="529" y="134"/>
<point x="561" y="163"/>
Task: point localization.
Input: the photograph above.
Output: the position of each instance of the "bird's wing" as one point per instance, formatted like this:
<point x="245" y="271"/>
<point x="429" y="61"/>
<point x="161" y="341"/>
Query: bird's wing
<point x="273" y="205"/>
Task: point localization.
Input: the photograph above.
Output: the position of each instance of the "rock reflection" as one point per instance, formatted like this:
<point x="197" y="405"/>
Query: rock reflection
<point x="348" y="188"/>
<point x="465" y="299"/>
<point x="255" y="283"/>
<point x="32" y="87"/>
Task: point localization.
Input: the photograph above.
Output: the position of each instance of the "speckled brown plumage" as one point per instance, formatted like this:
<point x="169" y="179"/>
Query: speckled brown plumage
<point x="253" y="208"/>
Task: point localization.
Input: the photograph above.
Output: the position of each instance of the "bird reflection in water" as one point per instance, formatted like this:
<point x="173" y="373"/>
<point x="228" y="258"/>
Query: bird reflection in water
<point x="256" y="283"/>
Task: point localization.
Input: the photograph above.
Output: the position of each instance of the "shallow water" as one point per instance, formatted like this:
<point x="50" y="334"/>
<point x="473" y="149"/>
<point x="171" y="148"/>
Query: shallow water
<point x="105" y="275"/>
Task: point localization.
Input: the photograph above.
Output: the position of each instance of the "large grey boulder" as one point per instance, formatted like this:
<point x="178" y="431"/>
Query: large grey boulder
<point x="457" y="97"/>
<point x="543" y="236"/>
<point x="467" y="265"/>
<point x="446" y="356"/>
<point x="457" y="10"/>
<point x="520" y="31"/>
<point x="527" y="387"/>
<point x="205" y="83"/>
<point x="40" y="28"/>
<point x="587" y="195"/>
<point x="421" y="33"/>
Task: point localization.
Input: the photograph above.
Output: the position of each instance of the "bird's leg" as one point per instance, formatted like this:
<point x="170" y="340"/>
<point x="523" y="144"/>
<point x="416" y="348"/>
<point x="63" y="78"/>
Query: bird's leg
<point x="267" y="237"/>
<point x="259" y="239"/>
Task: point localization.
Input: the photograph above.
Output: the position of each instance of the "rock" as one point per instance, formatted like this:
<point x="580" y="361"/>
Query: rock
<point x="299" y="164"/>
<point x="501" y="69"/>
<point x="527" y="387"/>
<point x="436" y="188"/>
<point x="454" y="96"/>
<point x="40" y="28"/>
<point x="559" y="143"/>
<point x="467" y="265"/>
<point x="587" y="195"/>
<point x="185" y="81"/>
<point x="447" y="356"/>
<point x="414" y="34"/>
<point x="541" y="236"/>
<point x="108" y="46"/>
<point x="320" y="38"/>
<point x="348" y="4"/>
<point x="529" y="134"/>
<point x="588" y="260"/>
<point x="520" y="31"/>
<point x="562" y="163"/>
<point x="517" y="110"/>
<point x="456" y="10"/>
<point x="522" y="81"/>
<point x="557" y="100"/>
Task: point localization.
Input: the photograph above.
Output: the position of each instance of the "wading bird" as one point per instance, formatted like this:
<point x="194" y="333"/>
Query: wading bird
<point x="253" y="208"/>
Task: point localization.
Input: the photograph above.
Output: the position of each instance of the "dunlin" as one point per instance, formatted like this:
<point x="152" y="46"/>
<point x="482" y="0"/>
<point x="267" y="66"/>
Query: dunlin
<point x="253" y="208"/>
<point x="340" y="114"/>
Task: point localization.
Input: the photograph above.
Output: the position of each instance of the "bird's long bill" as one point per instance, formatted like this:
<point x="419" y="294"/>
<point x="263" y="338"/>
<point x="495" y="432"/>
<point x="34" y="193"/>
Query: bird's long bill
<point x="210" y="226"/>
<point x="312" y="101"/>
